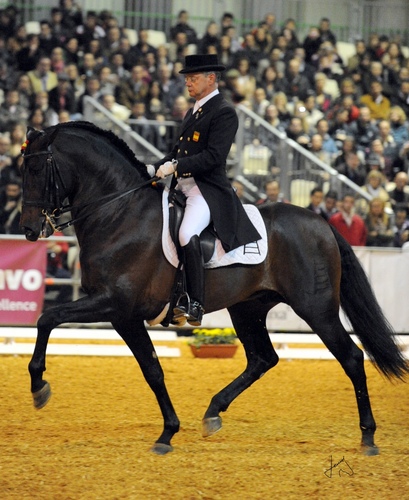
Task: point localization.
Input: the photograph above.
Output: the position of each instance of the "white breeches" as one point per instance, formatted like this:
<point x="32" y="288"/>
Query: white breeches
<point x="197" y="214"/>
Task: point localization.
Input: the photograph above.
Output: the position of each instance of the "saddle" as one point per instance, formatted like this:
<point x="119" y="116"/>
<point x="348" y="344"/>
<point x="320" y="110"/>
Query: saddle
<point x="177" y="205"/>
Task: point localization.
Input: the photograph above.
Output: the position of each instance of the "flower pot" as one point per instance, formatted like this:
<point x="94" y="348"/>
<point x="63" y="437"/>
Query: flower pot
<point x="214" y="350"/>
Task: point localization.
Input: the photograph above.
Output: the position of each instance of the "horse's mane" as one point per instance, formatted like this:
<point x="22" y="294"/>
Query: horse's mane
<point x="114" y="139"/>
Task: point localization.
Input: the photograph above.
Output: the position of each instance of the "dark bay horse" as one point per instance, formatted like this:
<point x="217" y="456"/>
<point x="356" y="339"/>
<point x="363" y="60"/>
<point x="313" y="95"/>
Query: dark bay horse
<point x="118" y="217"/>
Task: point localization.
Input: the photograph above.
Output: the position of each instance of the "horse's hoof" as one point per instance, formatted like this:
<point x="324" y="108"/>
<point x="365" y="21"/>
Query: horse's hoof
<point x="370" y="451"/>
<point x="41" y="397"/>
<point x="161" y="449"/>
<point x="211" y="425"/>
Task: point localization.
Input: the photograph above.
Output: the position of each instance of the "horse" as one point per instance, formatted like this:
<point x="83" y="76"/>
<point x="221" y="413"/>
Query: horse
<point x="117" y="215"/>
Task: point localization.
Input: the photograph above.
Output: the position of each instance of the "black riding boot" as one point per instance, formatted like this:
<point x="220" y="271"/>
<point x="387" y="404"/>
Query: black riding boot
<point x="192" y="309"/>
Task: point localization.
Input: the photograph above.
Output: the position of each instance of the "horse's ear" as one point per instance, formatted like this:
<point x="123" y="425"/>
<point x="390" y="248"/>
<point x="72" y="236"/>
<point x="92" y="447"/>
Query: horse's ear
<point x="30" y="131"/>
<point x="53" y="136"/>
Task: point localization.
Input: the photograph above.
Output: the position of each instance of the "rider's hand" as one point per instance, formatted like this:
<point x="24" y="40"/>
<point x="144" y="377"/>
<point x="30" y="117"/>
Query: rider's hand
<point x="166" y="169"/>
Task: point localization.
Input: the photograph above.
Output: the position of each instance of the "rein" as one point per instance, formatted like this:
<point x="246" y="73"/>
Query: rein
<point x="54" y="198"/>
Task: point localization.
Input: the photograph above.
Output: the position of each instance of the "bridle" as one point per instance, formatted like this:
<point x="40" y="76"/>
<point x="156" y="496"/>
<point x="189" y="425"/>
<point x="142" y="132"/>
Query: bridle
<point x="51" y="204"/>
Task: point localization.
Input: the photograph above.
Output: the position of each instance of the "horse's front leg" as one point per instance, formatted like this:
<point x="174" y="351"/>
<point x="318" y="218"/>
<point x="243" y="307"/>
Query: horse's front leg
<point x="138" y="340"/>
<point x="84" y="310"/>
<point x="249" y="322"/>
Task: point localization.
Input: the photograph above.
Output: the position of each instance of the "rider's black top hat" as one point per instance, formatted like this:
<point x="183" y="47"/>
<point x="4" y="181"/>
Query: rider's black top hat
<point x="201" y="62"/>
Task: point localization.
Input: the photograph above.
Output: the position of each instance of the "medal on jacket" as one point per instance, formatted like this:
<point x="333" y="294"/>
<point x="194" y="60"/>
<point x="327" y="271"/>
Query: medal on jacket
<point x="196" y="136"/>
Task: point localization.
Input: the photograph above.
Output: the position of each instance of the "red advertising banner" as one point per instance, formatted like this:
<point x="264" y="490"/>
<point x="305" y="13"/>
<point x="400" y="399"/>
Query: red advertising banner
<point x="22" y="271"/>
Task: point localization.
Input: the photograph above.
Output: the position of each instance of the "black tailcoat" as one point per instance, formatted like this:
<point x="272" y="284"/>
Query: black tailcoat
<point x="205" y="140"/>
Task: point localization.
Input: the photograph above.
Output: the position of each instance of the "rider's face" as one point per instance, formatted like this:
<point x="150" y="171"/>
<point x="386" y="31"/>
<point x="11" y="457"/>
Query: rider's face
<point x="199" y="85"/>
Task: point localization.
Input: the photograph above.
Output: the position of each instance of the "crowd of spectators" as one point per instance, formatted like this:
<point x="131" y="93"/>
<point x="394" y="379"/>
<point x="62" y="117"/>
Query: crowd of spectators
<point x="351" y="114"/>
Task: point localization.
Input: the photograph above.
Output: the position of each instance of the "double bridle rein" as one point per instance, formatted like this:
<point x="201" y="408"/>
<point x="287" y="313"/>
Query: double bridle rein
<point x="52" y="207"/>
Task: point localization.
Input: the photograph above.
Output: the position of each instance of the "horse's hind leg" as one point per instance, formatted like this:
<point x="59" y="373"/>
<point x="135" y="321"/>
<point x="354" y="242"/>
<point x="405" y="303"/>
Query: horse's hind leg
<point x="249" y="321"/>
<point x="351" y="358"/>
<point x="137" y="339"/>
<point x="84" y="310"/>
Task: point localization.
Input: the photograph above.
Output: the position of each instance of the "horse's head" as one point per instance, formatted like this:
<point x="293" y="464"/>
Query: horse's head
<point x="43" y="185"/>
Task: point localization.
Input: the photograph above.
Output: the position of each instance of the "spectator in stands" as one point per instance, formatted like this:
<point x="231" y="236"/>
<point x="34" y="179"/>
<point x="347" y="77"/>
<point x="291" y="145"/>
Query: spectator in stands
<point x="5" y="156"/>
<point x="355" y="60"/>
<point x="271" y="117"/>
<point x="272" y="193"/>
<point x="281" y="102"/>
<point x="119" y="111"/>
<point x="296" y="131"/>
<point x="353" y="168"/>
<point x="92" y="89"/>
<point x="387" y="152"/>
<point x="378" y="104"/>
<point x="246" y="82"/>
<point x="374" y="186"/>
<point x="312" y="112"/>
<point x="348" y="146"/>
<point x="25" y="91"/>
<point x="226" y="22"/>
<point x="399" y="195"/>
<point x="71" y="14"/>
<point x="37" y="119"/>
<point x="46" y="38"/>
<point x="211" y="37"/>
<point x="316" y="148"/>
<point x="363" y="129"/>
<point x="42" y="78"/>
<point x="399" y="129"/>
<point x="350" y="225"/>
<point x="143" y="128"/>
<point x="88" y="66"/>
<point x="401" y="97"/>
<point x="294" y="84"/>
<point x="324" y="95"/>
<point x="77" y="83"/>
<point x="311" y="43"/>
<point x="328" y="143"/>
<point x="42" y="101"/>
<point x="10" y="208"/>
<point x="139" y="51"/>
<point x="72" y="54"/>
<point x="11" y="110"/>
<point x="57" y="252"/>
<point x="179" y="47"/>
<point x="316" y="198"/>
<point x="110" y="43"/>
<point x="225" y="52"/>
<point x="325" y="31"/>
<point x="179" y="109"/>
<point x="378" y="225"/>
<point x="62" y="97"/>
<point x="17" y="135"/>
<point x="58" y="30"/>
<point x="260" y="101"/>
<point x="28" y="56"/>
<point x="89" y="30"/>
<point x="57" y="60"/>
<point x="182" y="26"/>
<point x="134" y="89"/>
<point x="401" y="228"/>
<point x="329" y="205"/>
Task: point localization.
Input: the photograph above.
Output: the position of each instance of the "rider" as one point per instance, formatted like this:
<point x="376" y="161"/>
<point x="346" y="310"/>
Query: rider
<point x="198" y="163"/>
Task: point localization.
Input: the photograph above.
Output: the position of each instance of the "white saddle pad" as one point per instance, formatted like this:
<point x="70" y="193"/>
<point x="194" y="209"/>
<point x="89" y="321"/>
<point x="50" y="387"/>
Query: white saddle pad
<point x="253" y="253"/>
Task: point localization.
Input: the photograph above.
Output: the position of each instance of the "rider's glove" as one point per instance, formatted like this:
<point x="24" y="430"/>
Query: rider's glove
<point x="166" y="169"/>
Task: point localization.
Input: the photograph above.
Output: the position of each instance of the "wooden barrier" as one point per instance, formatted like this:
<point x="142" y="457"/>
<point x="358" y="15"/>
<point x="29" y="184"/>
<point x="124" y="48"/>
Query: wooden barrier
<point x="287" y="345"/>
<point x="11" y="334"/>
<point x="292" y="345"/>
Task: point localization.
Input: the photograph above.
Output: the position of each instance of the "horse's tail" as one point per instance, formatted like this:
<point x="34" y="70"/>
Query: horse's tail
<point x="366" y="317"/>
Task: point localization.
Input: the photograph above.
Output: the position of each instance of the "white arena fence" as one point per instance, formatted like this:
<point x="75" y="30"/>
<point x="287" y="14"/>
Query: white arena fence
<point x="387" y="269"/>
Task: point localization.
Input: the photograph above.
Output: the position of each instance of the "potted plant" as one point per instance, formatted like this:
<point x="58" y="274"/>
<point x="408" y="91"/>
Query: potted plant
<point x="214" y="343"/>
